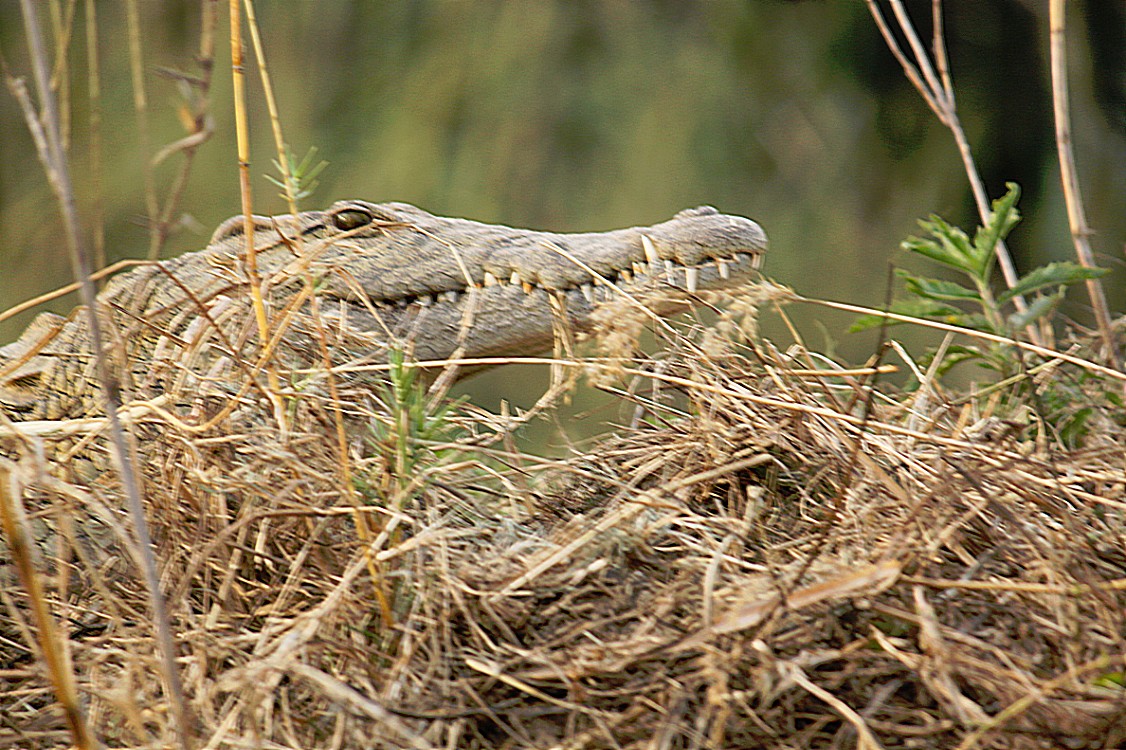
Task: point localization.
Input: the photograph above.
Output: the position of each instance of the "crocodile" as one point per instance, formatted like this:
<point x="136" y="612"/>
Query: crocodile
<point x="362" y="279"/>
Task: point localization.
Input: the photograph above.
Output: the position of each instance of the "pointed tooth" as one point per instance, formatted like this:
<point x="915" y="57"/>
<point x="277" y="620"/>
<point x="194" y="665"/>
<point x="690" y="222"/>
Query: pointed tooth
<point x="527" y="287"/>
<point x="638" y="269"/>
<point x="426" y="300"/>
<point x="625" y="275"/>
<point x="450" y="296"/>
<point x="724" y="270"/>
<point x="491" y="279"/>
<point x="515" y="278"/>
<point x="650" y="250"/>
<point x="670" y="271"/>
<point x="587" y="291"/>
<point x="691" y="278"/>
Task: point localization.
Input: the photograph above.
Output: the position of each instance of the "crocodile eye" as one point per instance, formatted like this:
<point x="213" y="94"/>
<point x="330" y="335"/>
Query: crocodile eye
<point x="351" y="218"/>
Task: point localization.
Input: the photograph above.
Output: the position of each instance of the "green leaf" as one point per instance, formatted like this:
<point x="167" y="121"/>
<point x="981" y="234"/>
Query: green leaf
<point x="952" y="247"/>
<point x="955" y="355"/>
<point x="868" y="322"/>
<point x="1000" y="222"/>
<point x="1051" y="275"/>
<point x="915" y="308"/>
<point x="938" y="289"/>
<point x="1037" y="309"/>
<point x="977" y="322"/>
<point x="1075" y="427"/>
<point x="1111" y="680"/>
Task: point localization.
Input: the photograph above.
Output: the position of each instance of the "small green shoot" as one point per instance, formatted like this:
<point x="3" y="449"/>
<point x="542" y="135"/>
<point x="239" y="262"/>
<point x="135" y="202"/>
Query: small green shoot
<point x="403" y="442"/>
<point x="302" y="176"/>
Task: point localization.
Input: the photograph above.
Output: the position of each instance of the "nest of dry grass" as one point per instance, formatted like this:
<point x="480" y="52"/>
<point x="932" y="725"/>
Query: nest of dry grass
<point x="771" y="556"/>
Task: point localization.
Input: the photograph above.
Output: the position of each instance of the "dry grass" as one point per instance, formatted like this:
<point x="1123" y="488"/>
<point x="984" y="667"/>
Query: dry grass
<point x="769" y="557"/>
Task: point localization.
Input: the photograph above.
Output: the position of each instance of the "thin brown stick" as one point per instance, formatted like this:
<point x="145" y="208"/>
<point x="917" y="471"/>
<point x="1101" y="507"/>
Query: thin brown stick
<point x="141" y="107"/>
<point x="14" y="524"/>
<point x="1076" y="217"/>
<point x="202" y="127"/>
<point x="62" y="291"/>
<point x="61" y="28"/>
<point x="45" y="131"/>
<point x="937" y="91"/>
<point x="271" y="106"/>
<point x="94" y="95"/>
<point x="1034" y="348"/>
<point x="242" y="133"/>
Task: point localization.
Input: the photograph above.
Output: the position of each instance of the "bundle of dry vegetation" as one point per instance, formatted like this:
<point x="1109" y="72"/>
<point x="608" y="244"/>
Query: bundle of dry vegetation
<point x="777" y="552"/>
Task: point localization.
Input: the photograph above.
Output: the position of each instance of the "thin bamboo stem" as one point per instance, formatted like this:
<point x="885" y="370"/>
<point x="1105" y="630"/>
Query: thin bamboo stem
<point x="1076" y="217"/>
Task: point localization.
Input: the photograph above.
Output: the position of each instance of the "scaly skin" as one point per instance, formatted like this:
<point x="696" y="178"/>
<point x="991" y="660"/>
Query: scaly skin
<point x="385" y="275"/>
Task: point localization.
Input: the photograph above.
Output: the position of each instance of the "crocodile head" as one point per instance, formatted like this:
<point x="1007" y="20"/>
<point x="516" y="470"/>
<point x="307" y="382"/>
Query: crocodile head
<point x="440" y="286"/>
<point x="387" y="276"/>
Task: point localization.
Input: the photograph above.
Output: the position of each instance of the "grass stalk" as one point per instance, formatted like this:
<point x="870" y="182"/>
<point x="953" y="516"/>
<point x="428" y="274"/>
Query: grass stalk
<point x="94" y="95"/>
<point x="141" y="107"/>
<point x="937" y="91"/>
<point x="52" y="647"/>
<point x="1076" y="217"/>
<point x="242" y="135"/>
<point x="44" y="127"/>
<point x="271" y="106"/>
<point x="195" y="113"/>
<point x="344" y="463"/>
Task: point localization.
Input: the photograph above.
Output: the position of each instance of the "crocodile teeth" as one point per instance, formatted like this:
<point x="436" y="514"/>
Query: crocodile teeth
<point x="450" y="296"/>
<point x="670" y="271"/>
<point x="491" y="280"/>
<point x="587" y="291"/>
<point x="515" y="278"/>
<point x="426" y="300"/>
<point x="691" y="278"/>
<point x="724" y="271"/>
<point x="638" y="269"/>
<point x="650" y="250"/>
<point x="528" y="287"/>
<point x="625" y="275"/>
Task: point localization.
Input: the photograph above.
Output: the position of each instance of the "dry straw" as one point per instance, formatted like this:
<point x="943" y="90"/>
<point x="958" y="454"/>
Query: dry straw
<point x="775" y="555"/>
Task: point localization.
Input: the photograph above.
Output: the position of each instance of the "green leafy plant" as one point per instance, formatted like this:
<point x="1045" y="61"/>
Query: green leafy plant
<point x="976" y="303"/>
<point x="1068" y="402"/>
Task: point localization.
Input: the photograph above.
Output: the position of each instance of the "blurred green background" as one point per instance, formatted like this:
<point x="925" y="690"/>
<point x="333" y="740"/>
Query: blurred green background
<point x="571" y="115"/>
